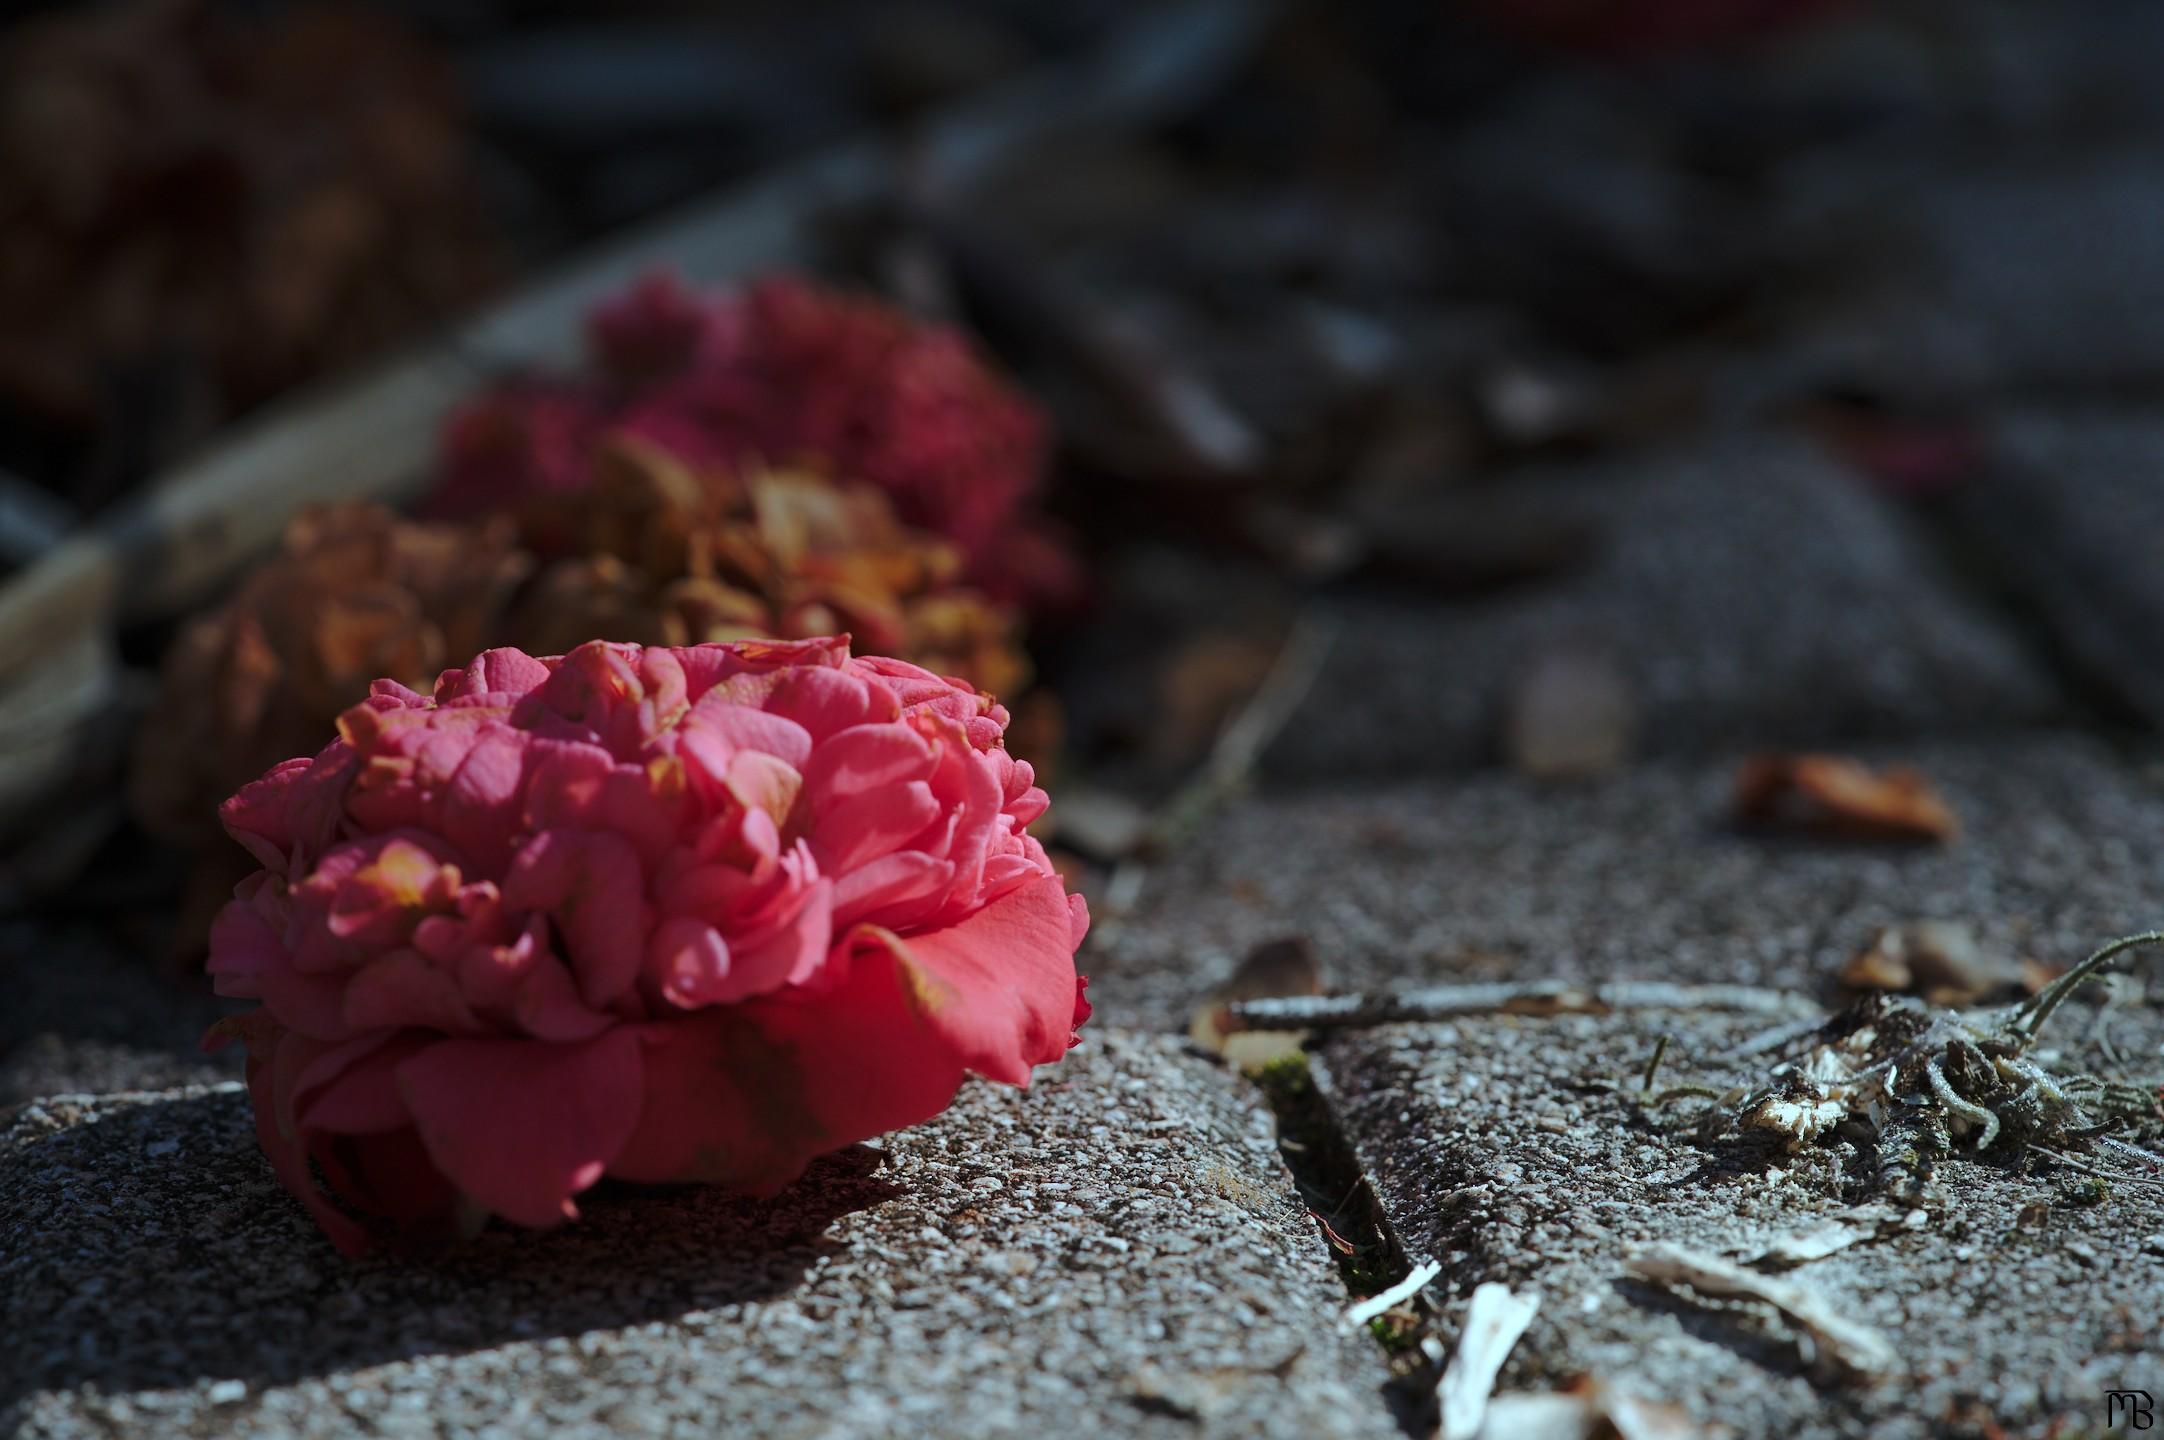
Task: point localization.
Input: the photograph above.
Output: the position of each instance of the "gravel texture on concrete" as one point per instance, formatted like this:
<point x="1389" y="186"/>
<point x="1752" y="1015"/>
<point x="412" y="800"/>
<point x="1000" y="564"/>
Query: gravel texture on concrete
<point x="1639" y="875"/>
<point x="2015" y="1307"/>
<point x="1118" y="1251"/>
<point x="1746" y="590"/>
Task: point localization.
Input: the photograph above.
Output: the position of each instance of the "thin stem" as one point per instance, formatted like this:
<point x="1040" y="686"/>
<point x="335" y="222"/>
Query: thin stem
<point x="1653" y="1066"/>
<point x="2037" y="1009"/>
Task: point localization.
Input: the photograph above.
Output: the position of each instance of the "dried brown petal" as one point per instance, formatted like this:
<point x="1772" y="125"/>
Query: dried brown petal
<point x="1939" y="960"/>
<point x="1836" y="797"/>
<point x="355" y="595"/>
<point x="677" y="554"/>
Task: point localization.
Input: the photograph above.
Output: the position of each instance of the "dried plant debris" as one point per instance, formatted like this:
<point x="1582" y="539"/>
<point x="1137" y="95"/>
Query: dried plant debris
<point x="1837" y="798"/>
<point x="1494" y="1321"/>
<point x="223" y="199"/>
<point x="661" y="550"/>
<point x="1902" y="1085"/>
<point x="1835" y="1346"/>
<point x="356" y="594"/>
<point x="1588" y="1408"/>
<point x="1570" y="715"/>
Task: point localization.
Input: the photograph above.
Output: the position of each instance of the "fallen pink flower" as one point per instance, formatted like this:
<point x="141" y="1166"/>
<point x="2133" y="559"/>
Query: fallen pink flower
<point x="661" y="914"/>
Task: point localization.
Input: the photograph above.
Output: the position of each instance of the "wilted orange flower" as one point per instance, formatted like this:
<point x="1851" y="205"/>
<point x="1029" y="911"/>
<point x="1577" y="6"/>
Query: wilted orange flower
<point x="672" y="554"/>
<point x="355" y="594"/>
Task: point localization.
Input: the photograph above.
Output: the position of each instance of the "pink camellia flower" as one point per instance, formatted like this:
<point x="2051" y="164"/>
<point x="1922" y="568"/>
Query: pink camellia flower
<point x="662" y="914"/>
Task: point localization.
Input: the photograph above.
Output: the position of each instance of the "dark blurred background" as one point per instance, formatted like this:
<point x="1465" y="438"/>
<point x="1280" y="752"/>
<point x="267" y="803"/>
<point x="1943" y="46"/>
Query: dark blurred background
<point x="1549" y="376"/>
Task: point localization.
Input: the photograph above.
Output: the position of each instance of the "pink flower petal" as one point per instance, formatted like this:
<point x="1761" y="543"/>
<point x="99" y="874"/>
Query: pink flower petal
<point x="999" y="987"/>
<point x="892" y="890"/>
<point x="482" y="809"/>
<point x="689" y="961"/>
<point x="591" y="882"/>
<point x="875" y="823"/>
<point x="520" y="1126"/>
<point x="401" y="987"/>
<point x="745" y="1095"/>
<point x="864" y="758"/>
<point x="788" y="956"/>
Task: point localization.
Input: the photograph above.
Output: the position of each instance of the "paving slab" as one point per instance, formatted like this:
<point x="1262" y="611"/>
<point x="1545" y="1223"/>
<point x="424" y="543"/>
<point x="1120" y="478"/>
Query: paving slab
<point x="1746" y="590"/>
<point x="1640" y="875"/>
<point x="2024" y="278"/>
<point x="2069" y="510"/>
<point x="1490" y="1156"/>
<point x="1117" y="1252"/>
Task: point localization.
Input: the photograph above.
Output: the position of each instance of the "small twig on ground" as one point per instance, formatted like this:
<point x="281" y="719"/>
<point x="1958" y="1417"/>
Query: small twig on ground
<point x="1493" y="1323"/>
<point x="1850" y="1349"/>
<point x="1226" y="769"/>
<point x="1395" y="1296"/>
<point x="1539" y="997"/>
<point x="1247" y="734"/>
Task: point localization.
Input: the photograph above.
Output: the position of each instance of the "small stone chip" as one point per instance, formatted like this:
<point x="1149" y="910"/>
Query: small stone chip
<point x="228" y="1392"/>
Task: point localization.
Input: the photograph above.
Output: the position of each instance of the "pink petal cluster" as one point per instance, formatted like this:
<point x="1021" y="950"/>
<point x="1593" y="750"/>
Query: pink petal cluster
<point x="662" y="914"/>
<point x="793" y="375"/>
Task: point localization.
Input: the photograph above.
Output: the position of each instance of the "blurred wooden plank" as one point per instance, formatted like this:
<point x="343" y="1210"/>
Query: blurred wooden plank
<point x="372" y="435"/>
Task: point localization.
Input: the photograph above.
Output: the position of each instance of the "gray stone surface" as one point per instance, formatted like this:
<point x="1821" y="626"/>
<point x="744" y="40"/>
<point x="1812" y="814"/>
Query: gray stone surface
<point x="1491" y="1157"/>
<point x="1748" y="591"/>
<point x="1117" y="1252"/>
<point x="1639" y="875"/>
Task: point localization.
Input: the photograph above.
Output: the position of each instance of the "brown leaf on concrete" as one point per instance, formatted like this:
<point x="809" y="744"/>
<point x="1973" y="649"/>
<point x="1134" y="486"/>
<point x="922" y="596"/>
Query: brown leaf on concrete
<point x="1835" y="797"/>
<point x="1273" y="969"/>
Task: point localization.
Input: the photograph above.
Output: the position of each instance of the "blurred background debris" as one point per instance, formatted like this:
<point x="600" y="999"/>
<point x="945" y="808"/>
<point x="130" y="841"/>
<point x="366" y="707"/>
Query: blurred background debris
<point x="1606" y="382"/>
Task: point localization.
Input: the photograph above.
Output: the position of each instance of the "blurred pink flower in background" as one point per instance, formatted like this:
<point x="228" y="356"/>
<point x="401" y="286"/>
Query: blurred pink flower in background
<point x="790" y="374"/>
<point x="662" y="914"/>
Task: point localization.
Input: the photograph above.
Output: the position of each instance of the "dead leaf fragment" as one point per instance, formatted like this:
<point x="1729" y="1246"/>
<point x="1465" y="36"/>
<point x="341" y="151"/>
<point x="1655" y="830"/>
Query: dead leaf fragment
<point x="1939" y="960"/>
<point x="1275" y="968"/>
<point x="1836" y="797"/>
